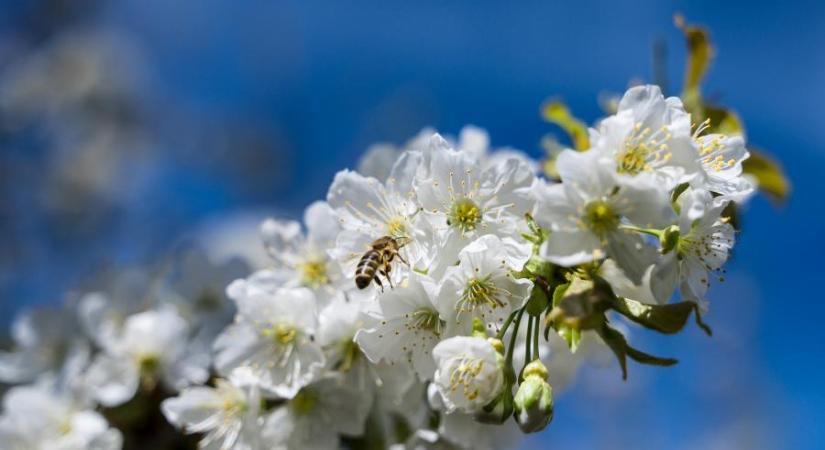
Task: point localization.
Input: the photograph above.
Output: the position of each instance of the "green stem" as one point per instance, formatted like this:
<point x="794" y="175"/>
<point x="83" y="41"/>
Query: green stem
<point x="527" y="349"/>
<point x="536" y="332"/>
<point x="508" y="360"/>
<point x="650" y="231"/>
<point x="503" y="329"/>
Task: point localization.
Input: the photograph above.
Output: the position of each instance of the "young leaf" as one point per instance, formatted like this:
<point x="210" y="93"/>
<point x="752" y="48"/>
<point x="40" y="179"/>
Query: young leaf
<point x="723" y="120"/>
<point x="645" y="358"/>
<point x="554" y="111"/>
<point x="700" y="53"/>
<point x="769" y="175"/>
<point x="669" y="318"/>
<point x="618" y="344"/>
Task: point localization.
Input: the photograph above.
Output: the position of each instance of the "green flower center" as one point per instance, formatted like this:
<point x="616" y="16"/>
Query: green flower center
<point x="633" y="160"/>
<point x="396" y="227"/>
<point x="148" y="366"/>
<point x="281" y="334"/>
<point x="479" y="292"/>
<point x="643" y="150"/>
<point x="464" y="215"/>
<point x="350" y="354"/>
<point x="314" y="273"/>
<point x="304" y="401"/>
<point x="208" y="301"/>
<point x="600" y="217"/>
<point x="425" y="319"/>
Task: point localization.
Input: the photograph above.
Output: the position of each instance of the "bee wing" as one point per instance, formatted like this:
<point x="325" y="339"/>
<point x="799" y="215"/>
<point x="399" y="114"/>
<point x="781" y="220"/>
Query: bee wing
<point x="349" y="249"/>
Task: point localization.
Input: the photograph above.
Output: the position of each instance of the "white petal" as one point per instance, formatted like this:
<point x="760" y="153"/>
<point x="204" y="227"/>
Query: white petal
<point x="112" y="381"/>
<point x="571" y="248"/>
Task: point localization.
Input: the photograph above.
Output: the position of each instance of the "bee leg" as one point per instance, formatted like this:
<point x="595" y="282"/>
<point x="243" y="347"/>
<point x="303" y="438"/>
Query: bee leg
<point x="378" y="282"/>
<point x="387" y="276"/>
<point x="401" y="258"/>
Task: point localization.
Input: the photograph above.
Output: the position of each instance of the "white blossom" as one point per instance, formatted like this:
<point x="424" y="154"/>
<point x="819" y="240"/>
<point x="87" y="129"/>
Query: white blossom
<point x="721" y="158"/>
<point x="227" y="415"/>
<point x="469" y="373"/>
<point x="151" y="348"/>
<point x="40" y="417"/>
<point x="368" y="209"/>
<point x="274" y="336"/>
<point x="649" y="137"/>
<point x="585" y="211"/>
<point x="46" y="343"/>
<point x="482" y="285"/>
<point x="301" y="259"/>
<point x="463" y="201"/>
<point x="315" y="417"/>
<point x="704" y="244"/>
<point x="407" y="327"/>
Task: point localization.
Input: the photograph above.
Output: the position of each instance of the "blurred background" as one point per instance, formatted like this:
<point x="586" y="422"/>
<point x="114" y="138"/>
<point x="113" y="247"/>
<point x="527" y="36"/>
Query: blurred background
<point x="130" y="128"/>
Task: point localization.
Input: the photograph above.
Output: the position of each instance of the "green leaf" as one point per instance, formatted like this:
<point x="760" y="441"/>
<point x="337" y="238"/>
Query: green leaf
<point x="669" y="318"/>
<point x="723" y="120"/>
<point x="769" y="175"/>
<point x="700" y="53"/>
<point x="554" y="111"/>
<point x="646" y="358"/>
<point x="559" y="293"/>
<point x="618" y="344"/>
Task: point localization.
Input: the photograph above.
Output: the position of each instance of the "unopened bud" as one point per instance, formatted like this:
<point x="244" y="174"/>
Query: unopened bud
<point x="533" y="403"/>
<point x="478" y="328"/>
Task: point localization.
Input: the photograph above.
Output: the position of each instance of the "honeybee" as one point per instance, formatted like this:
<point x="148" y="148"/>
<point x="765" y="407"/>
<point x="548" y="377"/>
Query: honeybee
<point x="377" y="261"/>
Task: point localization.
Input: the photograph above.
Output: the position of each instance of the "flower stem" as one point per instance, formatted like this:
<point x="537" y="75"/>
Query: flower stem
<point x="506" y="325"/>
<point x="509" y="358"/>
<point x="650" y="231"/>
<point x="527" y="343"/>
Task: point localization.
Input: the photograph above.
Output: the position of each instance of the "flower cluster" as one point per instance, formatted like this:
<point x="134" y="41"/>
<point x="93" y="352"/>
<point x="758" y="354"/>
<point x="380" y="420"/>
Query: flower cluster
<point x="431" y="301"/>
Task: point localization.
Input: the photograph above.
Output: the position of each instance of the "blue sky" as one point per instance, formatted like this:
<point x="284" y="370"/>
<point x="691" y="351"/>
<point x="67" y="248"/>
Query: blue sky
<point x="323" y="80"/>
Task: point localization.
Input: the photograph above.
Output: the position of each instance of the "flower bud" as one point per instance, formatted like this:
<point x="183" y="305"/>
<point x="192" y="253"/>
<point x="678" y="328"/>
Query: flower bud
<point x="478" y="329"/>
<point x="533" y="402"/>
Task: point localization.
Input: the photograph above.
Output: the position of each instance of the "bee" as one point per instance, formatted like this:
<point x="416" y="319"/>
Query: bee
<point x="377" y="261"/>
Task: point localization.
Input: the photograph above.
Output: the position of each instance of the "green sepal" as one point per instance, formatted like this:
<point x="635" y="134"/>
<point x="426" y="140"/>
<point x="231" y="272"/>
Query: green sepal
<point x="669" y="318"/>
<point x="537" y="267"/>
<point x="556" y="112"/>
<point x="618" y="344"/>
<point x="578" y="305"/>
<point x="537" y="302"/>
<point x="674" y="197"/>
<point x="499" y="410"/>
